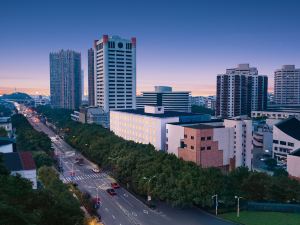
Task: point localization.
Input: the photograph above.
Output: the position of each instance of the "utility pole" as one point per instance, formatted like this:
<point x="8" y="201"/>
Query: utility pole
<point x="148" y="186"/>
<point x="216" y="202"/>
<point x="238" y="205"/>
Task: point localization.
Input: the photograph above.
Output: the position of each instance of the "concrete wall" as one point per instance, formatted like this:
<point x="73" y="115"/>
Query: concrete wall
<point x="6" y="148"/>
<point x="174" y="135"/>
<point x="293" y="163"/>
<point x="140" y="128"/>
<point x="281" y="136"/>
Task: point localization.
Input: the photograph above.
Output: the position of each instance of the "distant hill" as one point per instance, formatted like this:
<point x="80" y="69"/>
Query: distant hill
<point x="16" y="96"/>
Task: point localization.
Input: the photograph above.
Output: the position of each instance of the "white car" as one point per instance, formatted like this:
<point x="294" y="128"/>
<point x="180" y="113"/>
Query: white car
<point x="96" y="170"/>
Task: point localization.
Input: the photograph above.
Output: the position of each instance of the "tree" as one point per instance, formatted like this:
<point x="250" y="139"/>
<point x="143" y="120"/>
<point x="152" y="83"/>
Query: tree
<point x="29" y="139"/>
<point x="3" y="132"/>
<point x="42" y="159"/>
<point x="256" y="185"/>
<point x="202" y="109"/>
<point x="176" y="182"/>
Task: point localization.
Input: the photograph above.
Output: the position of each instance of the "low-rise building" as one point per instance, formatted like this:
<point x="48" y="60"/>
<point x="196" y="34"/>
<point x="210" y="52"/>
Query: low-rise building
<point x="40" y="100"/>
<point x="92" y="114"/>
<point x="293" y="164"/>
<point x="21" y="163"/>
<point x="286" y="138"/>
<point x="263" y="137"/>
<point x="198" y="100"/>
<point x="75" y="116"/>
<point x="225" y="144"/>
<point x="148" y="125"/>
<point x="7" y="145"/>
<point x="276" y="114"/>
<point x="5" y="123"/>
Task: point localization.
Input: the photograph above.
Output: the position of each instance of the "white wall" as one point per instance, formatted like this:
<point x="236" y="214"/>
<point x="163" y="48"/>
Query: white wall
<point x="243" y="146"/>
<point x="281" y="136"/>
<point x="140" y="128"/>
<point x="224" y="136"/>
<point x="28" y="174"/>
<point x="6" y="148"/>
<point x="174" y="135"/>
<point x="293" y="163"/>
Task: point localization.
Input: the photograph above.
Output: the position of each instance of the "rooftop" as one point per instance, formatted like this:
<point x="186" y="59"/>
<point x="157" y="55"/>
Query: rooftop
<point x="291" y="127"/>
<point x="191" y="123"/>
<point x="5" y="120"/>
<point x="6" y="141"/>
<point x="296" y="152"/>
<point x="166" y="114"/>
<point x="204" y="126"/>
<point x="17" y="161"/>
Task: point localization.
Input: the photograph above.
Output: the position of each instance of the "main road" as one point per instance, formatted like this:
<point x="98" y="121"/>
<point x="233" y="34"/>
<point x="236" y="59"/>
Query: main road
<point x="123" y="208"/>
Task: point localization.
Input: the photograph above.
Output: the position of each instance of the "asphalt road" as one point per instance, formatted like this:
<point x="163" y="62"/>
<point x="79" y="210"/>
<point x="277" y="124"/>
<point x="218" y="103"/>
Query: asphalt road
<point x="124" y="208"/>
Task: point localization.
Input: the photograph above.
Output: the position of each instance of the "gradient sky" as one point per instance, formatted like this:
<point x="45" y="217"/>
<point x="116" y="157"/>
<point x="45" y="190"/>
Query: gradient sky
<point x="184" y="44"/>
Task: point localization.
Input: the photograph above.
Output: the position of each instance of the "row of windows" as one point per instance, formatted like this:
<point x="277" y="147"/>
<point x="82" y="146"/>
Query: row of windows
<point x="283" y="143"/>
<point x="202" y="148"/>
<point x="202" y="138"/>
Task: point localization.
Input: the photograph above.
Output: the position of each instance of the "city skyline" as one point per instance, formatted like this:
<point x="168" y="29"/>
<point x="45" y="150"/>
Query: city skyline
<point x="183" y="46"/>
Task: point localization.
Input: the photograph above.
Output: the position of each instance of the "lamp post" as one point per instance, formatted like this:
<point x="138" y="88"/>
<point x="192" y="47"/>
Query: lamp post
<point x="148" y="187"/>
<point x="216" y="202"/>
<point x="238" y="205"/>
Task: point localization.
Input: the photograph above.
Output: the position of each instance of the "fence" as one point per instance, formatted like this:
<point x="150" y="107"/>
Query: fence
<point x="275" y="207"/>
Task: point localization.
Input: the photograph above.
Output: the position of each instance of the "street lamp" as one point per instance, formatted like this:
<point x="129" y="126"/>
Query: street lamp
<point x="216" y="202"/>
<point x="148" y="188"/>
<point x="238" y="205"/>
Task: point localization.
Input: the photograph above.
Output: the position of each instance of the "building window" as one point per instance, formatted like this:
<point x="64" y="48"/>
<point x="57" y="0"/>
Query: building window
<point x="202" y="138"/>
<point x="208" y="148"/>
<point x="275" y="141"/>
<point x="290" y="144"/>
<point x="192" y="147"/>
<point x="282" y="142"/>
<point x="185" y="136"/>
<point x="192" y="137"/>
<point x="209" y="138"/>
<point x="202" y="148"/>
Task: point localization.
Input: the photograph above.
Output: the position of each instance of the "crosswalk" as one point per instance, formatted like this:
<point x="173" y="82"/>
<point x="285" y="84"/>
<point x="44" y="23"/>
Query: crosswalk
<point x="83" y="177"/>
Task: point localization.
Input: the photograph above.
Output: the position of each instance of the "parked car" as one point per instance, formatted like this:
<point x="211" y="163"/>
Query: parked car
<point x="115" y="185"/>
<point x="111" y="191"/>
<point x="96" y="170"/>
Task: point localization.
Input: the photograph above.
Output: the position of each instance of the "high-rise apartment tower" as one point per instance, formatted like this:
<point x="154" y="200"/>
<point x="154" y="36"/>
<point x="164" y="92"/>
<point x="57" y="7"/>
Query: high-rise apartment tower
<point x="65" y="79"/>
<point x="241" y="90"/>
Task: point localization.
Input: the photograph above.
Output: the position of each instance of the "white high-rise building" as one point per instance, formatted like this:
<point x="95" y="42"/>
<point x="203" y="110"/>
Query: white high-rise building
<point x="115" y="73"/>
<point x="287" y="85"/>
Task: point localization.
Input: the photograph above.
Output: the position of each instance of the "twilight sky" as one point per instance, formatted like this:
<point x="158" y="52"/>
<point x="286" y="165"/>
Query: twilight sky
<point x="181" y="43"/>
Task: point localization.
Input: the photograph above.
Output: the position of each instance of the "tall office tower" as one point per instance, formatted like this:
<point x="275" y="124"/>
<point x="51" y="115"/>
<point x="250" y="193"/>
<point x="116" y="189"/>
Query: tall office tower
<point x="82" y="84"/>
<point x="91" y="77"/>
<point x="115" y="73"/>
<point x="164" y="96"/>
<point x="65" y="79"/>
<point x="241" y="90"/>
<point x="287" y="85"/>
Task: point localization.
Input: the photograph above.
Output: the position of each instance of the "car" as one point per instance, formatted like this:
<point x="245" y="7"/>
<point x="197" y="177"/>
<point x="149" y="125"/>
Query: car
<point x="96" y="202"/>
<point x="79" y="161"/>
<point x="115" y="185"/>
<point x="96" y="170"/>
<point x="111" y="191"/>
